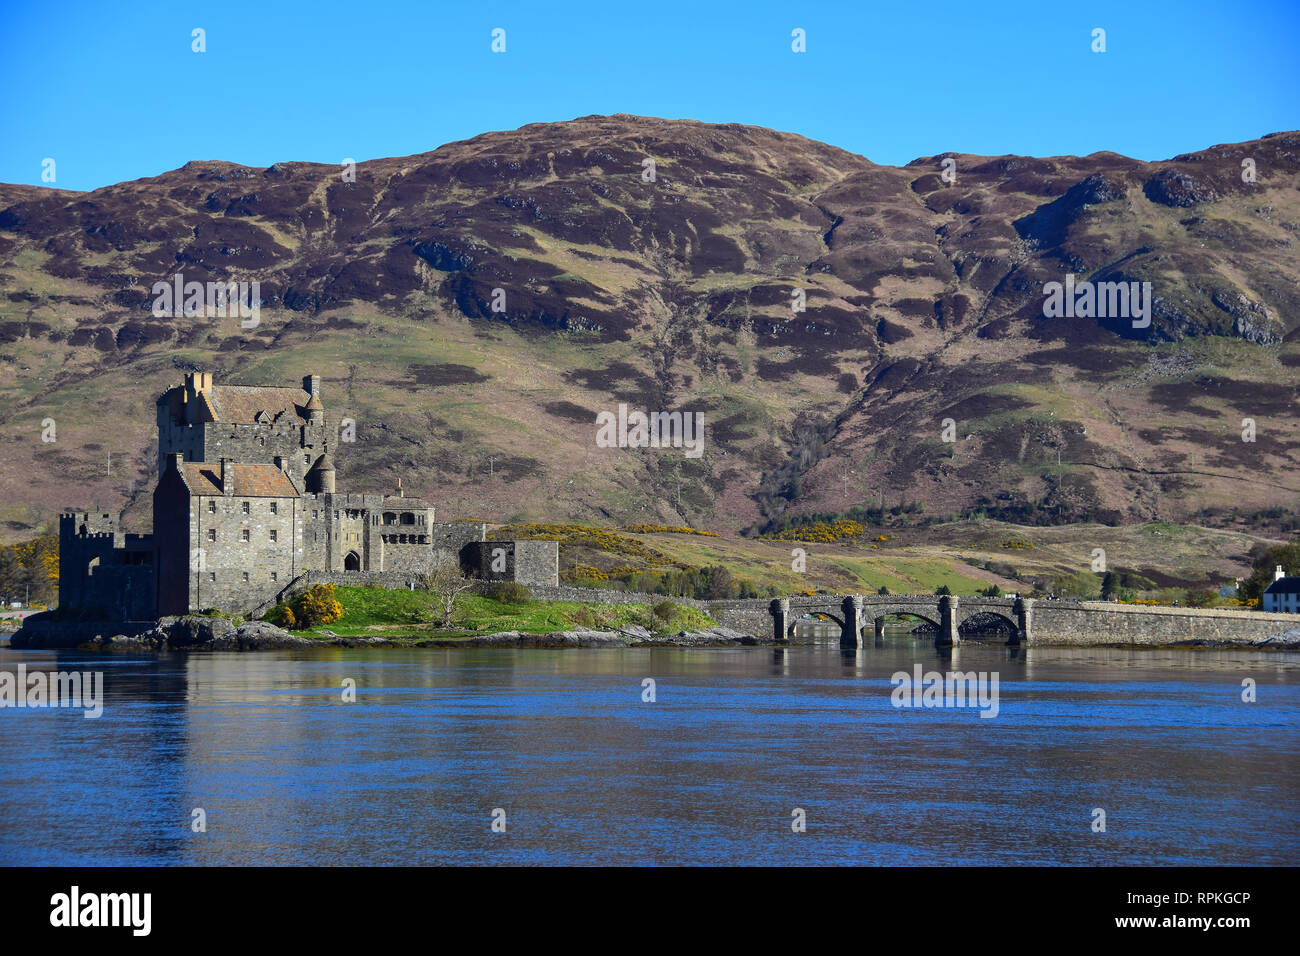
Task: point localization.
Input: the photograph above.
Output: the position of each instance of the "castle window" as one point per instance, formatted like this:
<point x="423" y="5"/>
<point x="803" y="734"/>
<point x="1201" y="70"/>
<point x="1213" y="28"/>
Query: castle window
<point x="212" y="575"/>
<point x="275" y="535"/>
<point x="275" y="508"/>
<point x="306" y="459"/>
<point x="408" y="518"/>
<point x="243" y="535"/>
<point x="244" y="507"/>
<point x="274" y="576"/>
<point x="212" y="534"/>
<point x="315" y="514"/>
<point x="245" y="575"/>
<point x="212" y="507"/>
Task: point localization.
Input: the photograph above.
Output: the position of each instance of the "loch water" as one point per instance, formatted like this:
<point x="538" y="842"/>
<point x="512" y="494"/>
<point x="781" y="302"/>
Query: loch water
<point x="565" y="749"/>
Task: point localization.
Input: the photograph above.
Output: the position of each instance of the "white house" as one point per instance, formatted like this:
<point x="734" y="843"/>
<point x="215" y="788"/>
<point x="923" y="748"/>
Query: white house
<point x="1283" y="594"/>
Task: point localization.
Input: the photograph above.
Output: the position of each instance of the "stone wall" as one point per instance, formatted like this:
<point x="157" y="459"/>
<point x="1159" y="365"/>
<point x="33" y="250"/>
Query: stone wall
<point x="533" y="563"/>
<point x="750" y="616"/>
<point x="246" y="549"/>
<point x="537" y="562"/>
<point x="103" y="571"/>
<point x="1106" y="623"/>
<point x="452" y="536"/>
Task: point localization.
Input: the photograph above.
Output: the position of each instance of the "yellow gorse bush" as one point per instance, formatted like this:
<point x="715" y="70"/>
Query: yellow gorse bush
<point x="316" y="606"/>
<point x="822" y="532"/>
<point x="642" y="528"/>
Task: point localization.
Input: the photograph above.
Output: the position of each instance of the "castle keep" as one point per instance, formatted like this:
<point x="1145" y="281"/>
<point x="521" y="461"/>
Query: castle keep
<point x="246" y="506"/>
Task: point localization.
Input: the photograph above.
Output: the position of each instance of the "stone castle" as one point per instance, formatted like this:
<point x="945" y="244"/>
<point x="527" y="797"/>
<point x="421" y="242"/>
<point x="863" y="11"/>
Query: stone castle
<point x="246" y="510"/>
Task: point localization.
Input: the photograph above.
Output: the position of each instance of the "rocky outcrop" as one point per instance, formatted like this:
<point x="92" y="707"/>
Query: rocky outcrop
<point x="195" y="633"/>
<point x="1172" y="188"/>
<point x="170" y="633"/>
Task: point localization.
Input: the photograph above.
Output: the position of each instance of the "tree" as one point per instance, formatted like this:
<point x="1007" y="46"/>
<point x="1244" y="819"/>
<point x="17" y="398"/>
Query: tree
<point x="1110" y="585"/>
<point x="445" y="583"/>
<point x="1287" y="555"/>
<point x="943" y="589"/>
<point x="719" y="583"/>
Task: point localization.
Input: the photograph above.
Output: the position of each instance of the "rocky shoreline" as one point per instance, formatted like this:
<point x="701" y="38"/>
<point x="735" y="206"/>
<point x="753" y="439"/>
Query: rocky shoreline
<point x="219" y="634"/>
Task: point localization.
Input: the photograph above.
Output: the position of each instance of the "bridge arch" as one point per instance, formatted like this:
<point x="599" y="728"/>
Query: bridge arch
<point x="980" y="615"/>
<point x="796" y="621"/>
<point x="946" y="613"/>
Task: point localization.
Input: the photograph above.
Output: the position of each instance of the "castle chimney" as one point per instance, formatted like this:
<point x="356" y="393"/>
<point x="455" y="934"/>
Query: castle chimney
<point x="311" y="385"/>
<point x="196" y="382"/>
<point x="227" y="482"/>
<point x="1279" y="574"/>
<point x="281" y="463"/>
<point x="399" y="488"/>
<point x="174" y="461"/>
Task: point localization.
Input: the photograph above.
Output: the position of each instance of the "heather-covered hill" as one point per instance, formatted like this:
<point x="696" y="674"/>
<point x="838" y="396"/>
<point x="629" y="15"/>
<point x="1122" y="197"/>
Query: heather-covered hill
<point x="923" y="291"/>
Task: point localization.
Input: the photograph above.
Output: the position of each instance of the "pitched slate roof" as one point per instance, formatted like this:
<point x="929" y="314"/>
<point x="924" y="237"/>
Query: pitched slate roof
<point x="247" y="481"/>
<point x="1284" y="586"/>
<point x="241" y="404"/>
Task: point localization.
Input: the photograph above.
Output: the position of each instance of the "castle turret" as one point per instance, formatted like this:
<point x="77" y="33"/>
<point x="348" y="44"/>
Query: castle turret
<point x="315" y="411"/>
<point x="321" y="477"/>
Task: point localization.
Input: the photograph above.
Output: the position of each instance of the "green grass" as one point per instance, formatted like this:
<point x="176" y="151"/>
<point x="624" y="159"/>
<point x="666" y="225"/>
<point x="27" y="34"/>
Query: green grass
<point x="379" y="612"/>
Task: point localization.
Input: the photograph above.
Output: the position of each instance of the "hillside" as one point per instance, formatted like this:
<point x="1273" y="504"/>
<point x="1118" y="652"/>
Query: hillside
<point x="923" y="303"/>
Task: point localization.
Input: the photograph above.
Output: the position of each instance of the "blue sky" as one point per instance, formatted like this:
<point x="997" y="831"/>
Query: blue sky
<point x="113" y="91"/>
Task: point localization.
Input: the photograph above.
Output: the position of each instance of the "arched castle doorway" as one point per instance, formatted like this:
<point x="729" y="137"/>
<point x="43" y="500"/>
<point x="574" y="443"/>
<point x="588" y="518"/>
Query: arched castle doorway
<point x="352" y="561"/>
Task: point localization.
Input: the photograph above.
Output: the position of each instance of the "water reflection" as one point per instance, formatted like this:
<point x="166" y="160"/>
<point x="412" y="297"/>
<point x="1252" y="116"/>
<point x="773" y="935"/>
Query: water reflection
<point x="588" y="772"/>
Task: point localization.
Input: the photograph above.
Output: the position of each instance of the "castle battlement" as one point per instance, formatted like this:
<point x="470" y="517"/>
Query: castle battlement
<point x="236" y="551"/>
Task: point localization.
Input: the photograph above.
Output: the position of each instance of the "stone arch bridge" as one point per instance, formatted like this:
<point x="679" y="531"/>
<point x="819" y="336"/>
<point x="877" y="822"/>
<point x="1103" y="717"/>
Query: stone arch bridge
<point x="946" y="613"/>
<point x="1031" y="621"/>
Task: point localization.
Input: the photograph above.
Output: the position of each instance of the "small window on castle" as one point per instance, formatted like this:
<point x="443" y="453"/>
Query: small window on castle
<point x="212" y="534"/>
<point x="245" y="575"/>
<point x="212" y="507"/>
<point x="275" y="535"/>
<point x="274" y="576"/>
<point x="306" y="459"/>
<point x="244" y="507"/>
<point x="315" y="514"/>
<point x="275" y="509"/>
<point x="212" y="575"/>
<point x="243" y="535"/>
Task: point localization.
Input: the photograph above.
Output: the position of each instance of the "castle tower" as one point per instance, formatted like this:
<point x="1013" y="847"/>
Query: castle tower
<point x="321" y="477"/>
<point x="205" y="421"/>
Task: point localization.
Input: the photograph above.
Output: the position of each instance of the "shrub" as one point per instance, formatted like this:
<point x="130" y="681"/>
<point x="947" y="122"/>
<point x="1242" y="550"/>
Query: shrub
<point x="316" y="606"/>
<point x="588" y="617"/>
<point x="943" y="589"/>
<point x="282" y="616"/>
<point x="666" y="610"/>
<point x="509" y="592"/>
<point x="882" y="590"/>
